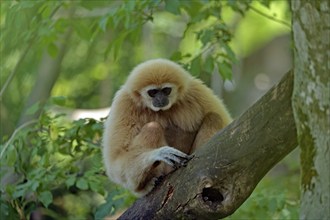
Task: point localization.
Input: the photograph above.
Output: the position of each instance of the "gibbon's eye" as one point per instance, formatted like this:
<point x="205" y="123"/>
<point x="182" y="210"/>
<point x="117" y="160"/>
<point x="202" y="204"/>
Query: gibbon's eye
<point x="152" y="92"/>
<point x="167" y="90"/>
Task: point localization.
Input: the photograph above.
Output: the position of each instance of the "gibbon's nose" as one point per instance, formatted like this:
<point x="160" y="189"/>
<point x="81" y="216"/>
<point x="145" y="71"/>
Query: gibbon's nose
<point x="160" y="101"/>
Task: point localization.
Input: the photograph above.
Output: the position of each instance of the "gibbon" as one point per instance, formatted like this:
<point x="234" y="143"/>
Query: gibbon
<point x="158" y="118"/>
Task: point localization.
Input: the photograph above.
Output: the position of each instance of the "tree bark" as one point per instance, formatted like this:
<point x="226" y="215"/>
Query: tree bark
<point x="48" y="72"/>
<point x="311" y="103"/>
<point x="223" y="174"/>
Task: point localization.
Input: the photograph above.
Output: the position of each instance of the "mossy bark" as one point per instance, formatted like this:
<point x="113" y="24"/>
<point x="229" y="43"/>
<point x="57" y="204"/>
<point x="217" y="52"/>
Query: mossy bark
<point x="311" y="103"/>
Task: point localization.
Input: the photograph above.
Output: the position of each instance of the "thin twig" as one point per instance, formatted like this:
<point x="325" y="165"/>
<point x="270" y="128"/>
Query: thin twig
<point x="14" y="134"/>
<point x="13" y="73"/>
<point x="269" y="17"/>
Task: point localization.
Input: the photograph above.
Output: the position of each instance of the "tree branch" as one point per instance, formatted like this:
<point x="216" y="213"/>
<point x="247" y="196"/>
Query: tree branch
<point x="223" y="174"/>
<point x="15" y="70"/>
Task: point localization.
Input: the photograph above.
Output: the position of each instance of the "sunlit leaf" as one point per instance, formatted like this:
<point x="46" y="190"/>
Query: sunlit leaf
<point x="53" y="133"/>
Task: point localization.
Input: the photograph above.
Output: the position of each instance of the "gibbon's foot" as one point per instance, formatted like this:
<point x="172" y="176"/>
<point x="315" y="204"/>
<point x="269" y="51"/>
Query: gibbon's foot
<point x="171" y="156"/>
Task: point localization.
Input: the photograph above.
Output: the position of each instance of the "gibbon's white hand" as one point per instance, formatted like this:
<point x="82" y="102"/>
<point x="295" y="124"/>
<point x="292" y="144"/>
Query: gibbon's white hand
<point x="171" y="156"/>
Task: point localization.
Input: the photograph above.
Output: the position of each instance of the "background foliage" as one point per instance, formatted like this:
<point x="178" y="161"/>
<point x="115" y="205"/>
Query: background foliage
<point x="80" y="52"/>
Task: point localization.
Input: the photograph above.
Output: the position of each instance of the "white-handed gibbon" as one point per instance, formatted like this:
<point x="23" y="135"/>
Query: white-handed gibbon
<point x="158" y="118"/>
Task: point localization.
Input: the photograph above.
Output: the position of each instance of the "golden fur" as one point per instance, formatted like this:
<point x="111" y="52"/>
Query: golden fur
<point x="139" y="142"/>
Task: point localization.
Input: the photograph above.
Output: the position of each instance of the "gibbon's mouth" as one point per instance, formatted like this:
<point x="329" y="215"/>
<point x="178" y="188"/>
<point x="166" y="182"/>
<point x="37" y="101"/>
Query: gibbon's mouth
<point x="160" y="103"/>
<point x="164" y="108"/>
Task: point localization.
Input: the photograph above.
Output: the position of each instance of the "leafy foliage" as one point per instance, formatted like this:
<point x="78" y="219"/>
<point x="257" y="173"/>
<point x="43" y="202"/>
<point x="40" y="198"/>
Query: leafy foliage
<point x="52" y="156"/>
<point x="267" y="203"/>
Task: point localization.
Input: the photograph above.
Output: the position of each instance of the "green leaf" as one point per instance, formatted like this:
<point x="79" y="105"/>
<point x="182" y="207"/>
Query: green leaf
<point x="265" y="2"/>
<point x="45" y="198"/>
<point x="272" y="207"/>
<point x="7" y="211"/>
<point x="82" y="30"/>
<point x="208" y="65"/>
<point x="95" y="186"/>
<point x="194" y="9"/>
<point x="58" y="100"/>
<point x="109" y="207"/>
<point x="104" y="210"/>
<point x="19" y="193"/>
<point x="176" y="56"/>
<point x="11" y="157"/>
<point x="116" y="46"/>
<point x="53" y="133"/>
<point x="130" y="5"/>
<point x="103" y="23"/>
<point x="173" y="6"/>
<point x="229" y="52"/>
<point x="22" y="189"/>
<point x="206" y="36"/>
<point x="195" y="67"/>
<point x="35" y="185"/>
<point x="52" y="50"/>
<point x="33" y="108"/>
<point x="70" y="181"/>
<point x="225" y="70"/>
<point x="82" y="184"/>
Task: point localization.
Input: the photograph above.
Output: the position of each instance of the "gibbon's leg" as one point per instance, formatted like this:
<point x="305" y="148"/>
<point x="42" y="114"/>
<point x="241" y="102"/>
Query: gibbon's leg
<point x="179" y="138"/>
<point x="211" y="124"/>
<point x="153" y="158"/>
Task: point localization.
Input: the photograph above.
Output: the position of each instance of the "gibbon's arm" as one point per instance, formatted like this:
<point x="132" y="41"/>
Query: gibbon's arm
<point x="211" y="124"/>
<point x="215" y="116"/>
<point x="210" y="102"/>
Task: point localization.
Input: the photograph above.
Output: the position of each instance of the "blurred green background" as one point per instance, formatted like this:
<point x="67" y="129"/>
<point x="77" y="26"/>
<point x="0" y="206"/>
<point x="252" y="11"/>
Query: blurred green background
<point x="63" y="61"/>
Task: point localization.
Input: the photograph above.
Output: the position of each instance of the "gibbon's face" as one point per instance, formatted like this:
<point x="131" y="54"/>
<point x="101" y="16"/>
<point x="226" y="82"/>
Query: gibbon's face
<point x="160" y="97"/>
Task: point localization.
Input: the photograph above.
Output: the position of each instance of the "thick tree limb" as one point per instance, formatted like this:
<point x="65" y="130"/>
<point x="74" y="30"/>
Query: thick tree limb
<point x="223" y="174"/>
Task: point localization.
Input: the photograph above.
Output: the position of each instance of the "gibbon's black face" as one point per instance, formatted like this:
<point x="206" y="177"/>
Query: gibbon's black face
<point x="160" y="96"/>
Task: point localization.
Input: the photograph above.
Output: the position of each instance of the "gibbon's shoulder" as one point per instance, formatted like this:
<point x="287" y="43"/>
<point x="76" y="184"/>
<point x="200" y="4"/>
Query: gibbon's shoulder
<point x="157" y="72"/>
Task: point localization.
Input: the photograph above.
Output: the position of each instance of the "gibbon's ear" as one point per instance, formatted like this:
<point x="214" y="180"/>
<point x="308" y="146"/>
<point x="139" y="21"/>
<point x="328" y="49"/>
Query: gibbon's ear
<point x="181" y="91"/>
<point x="136" y="96"/>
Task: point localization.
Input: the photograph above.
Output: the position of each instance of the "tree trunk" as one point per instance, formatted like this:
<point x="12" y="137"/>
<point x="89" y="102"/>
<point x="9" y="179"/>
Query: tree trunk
<point x="223" y="174"/>
<point x="48" y="72"/>
<point x="311" y="103"/>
